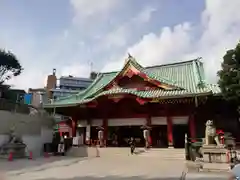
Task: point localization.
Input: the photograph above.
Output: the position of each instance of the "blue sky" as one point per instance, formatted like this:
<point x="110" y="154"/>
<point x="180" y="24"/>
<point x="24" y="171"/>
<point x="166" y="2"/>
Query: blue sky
<point x="69" y="34"/>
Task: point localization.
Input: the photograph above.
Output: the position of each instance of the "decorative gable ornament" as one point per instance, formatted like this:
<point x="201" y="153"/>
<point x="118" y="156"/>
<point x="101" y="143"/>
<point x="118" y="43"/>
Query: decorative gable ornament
<point x="116" y="98"/>
<point x="128" y="59"/>
<point x="140" y="101"/>
<point x="130" y="71"/>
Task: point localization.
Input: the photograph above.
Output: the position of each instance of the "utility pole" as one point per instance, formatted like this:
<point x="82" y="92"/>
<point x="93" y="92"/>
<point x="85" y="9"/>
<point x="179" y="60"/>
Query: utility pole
<point x="91" y="67"/>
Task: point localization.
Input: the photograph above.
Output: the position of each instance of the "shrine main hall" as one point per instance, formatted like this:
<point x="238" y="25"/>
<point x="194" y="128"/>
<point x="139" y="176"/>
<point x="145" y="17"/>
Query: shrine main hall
<point x="171" y="99"/>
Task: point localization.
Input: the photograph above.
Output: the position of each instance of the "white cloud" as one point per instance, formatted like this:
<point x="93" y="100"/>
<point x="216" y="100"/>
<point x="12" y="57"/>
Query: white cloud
<point x="39" y="56"/>
<point x="85" y="8"/>
<point x="23" y="48"/>
<point x="220" y="28"/>
<point x="157" y="49"/>
<point x="166" y="46"/>
<point x="144" y="15"/>
<point x="76" y="70"/>
<point x="119" y="36"/>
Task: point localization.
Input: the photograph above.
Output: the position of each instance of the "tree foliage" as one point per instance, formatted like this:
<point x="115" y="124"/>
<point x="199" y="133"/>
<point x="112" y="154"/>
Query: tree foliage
<point x="9" y="66"/>
<point x="230" y="75"/>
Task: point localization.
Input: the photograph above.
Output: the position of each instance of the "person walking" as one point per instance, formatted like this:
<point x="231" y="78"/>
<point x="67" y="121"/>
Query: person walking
<point x="132" y="144"/>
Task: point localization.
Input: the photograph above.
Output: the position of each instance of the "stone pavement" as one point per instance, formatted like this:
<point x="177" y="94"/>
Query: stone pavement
<point x="117" y="168"/>
<point x="207" y="176"/>
<point x="21" y="164"/>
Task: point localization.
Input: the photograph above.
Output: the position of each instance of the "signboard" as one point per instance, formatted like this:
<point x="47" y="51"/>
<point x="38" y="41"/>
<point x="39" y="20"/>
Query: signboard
<point x="28" y="98"/>
<point x="61" y="118"/>
<point x="63" y="127"/>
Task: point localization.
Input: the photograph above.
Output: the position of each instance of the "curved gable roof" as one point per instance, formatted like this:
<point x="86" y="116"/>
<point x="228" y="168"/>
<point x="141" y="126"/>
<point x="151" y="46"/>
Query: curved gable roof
<point x="187" y="75"/>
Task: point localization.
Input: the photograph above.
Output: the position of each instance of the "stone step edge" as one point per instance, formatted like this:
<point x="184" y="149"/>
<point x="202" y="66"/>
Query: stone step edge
<point x="214" y="170"/>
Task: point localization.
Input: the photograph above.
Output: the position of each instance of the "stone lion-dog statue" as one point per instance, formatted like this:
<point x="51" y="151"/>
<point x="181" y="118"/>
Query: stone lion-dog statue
<point x="210" y="134"/>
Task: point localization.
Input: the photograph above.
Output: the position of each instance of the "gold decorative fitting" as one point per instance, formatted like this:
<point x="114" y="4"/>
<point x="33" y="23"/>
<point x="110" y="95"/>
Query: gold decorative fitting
<point x="172" y="101"/>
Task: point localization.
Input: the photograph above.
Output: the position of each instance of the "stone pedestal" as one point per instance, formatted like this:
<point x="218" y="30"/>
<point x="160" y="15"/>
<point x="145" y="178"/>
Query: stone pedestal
<point x="17" y="150"/>
<point x="213" y="154"/>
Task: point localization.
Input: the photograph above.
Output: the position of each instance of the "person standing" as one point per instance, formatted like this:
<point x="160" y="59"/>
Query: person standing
<point x="132" y="144"/>
<point x="146" y="137"/>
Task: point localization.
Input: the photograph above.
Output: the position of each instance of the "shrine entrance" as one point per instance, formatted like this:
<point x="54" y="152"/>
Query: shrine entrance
<point x="159" y="136"/>
<point x="179" y="131"/>
<point x="119" y="136"/>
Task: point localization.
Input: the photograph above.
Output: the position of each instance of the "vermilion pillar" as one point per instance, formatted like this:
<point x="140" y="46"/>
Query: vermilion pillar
<point x="170" y="131"/>
<point x="149" y="123"/>
<point x="74" y="127"/>
<point x="192" y="127"/>
<point x="105" y="126"/>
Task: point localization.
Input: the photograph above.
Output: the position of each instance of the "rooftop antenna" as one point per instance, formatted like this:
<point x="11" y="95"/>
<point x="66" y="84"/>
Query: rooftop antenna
<point x="91" y="67"/>
<point x="54" y="71"/>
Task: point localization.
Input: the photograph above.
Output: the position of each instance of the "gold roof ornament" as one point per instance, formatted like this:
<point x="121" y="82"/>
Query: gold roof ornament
<point x="128" y="58"/>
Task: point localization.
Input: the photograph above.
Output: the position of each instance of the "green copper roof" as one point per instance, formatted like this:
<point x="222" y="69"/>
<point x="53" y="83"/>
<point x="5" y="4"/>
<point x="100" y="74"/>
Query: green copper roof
<point x="188" y="76"/>
<point x="142" y="94"/>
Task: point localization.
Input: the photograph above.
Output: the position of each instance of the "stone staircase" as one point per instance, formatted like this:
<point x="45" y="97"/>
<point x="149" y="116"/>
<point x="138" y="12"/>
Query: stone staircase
<point x="85" y="151"/>
<point x="166" y="153"/>
<point x="123" y="151"/>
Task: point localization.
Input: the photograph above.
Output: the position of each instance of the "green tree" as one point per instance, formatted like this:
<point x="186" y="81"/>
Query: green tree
<point x="229" y="75"/>
<point x="9" y="66"/>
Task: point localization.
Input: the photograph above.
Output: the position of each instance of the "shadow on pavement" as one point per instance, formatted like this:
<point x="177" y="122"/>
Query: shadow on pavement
<point x="139" y="152"/>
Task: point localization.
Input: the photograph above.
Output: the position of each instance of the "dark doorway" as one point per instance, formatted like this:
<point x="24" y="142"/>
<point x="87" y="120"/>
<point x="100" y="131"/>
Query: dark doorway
<point x="123" y="133"/>
<point x="112" y="140"/>
<point x="159" y="136"/>
<point x="82" y="134"/>
<point x="179" y="132"/>
<point x="94" y="133"/>
<point x="81" y="131"/>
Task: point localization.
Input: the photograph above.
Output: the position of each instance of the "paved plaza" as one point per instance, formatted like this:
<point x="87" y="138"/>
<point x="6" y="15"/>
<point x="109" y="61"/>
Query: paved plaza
<point x="117" y="168"/>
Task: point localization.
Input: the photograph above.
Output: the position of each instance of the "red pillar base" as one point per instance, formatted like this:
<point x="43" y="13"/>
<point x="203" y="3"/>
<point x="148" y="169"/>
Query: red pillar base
<point x="170" y="132"/>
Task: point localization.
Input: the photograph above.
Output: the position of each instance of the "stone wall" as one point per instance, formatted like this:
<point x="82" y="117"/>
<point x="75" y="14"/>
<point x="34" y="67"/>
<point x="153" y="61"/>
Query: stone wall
<point x="23" y="123"/>
<point x="33" y="129"/>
